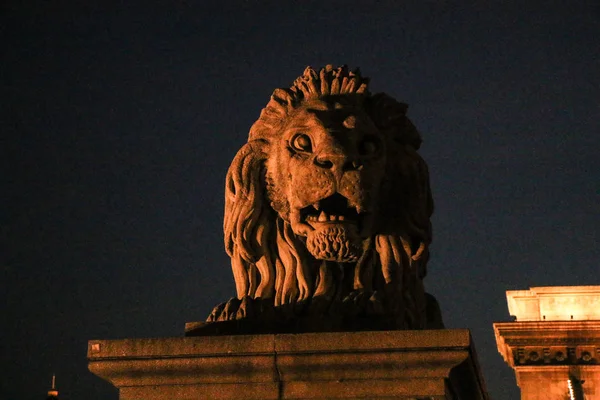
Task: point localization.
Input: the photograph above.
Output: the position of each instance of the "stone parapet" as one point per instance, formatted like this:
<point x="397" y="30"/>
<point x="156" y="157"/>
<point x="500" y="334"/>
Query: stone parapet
<point x="434" y="364"/>
<point x="555" y="303"/>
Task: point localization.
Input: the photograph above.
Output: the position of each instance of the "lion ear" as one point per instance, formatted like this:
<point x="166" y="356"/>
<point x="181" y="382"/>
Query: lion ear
<point x="390" y="117"/>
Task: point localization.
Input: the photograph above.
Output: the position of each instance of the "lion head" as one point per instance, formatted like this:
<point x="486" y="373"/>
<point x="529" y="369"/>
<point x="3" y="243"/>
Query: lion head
<point x="329" y="203"/>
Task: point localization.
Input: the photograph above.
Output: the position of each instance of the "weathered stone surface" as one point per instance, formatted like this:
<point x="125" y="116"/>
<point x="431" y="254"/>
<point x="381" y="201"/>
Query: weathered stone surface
<point x="437" y="364"/>
<point x="546" y="354"/>
<point x="327" y="212"/>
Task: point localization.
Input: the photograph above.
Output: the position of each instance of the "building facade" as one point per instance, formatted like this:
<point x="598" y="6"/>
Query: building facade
<point x="553" y="344"/>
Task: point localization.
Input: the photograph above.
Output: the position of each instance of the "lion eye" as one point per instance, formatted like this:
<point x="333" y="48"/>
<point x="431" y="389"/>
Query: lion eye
<point x="301" y="142"/>
<point x="369" y="146"/>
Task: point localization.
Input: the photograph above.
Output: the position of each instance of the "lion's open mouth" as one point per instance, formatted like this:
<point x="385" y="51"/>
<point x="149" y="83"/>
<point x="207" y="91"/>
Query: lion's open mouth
<point x="333" y="229"/>
<point x="333" y="209"/>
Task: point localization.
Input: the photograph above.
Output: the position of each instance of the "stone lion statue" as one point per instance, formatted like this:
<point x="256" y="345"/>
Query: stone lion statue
<point x="327" y="212"/>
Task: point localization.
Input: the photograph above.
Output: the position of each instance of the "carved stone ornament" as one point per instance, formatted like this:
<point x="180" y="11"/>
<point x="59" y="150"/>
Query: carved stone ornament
<point x="327" y="214"/>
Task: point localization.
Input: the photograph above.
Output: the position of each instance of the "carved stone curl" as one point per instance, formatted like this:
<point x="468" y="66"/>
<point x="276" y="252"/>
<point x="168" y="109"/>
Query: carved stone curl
<point x="327" y="213"/>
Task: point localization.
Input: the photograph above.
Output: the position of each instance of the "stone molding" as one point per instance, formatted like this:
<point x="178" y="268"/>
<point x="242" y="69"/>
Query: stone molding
<point x="435" y="364"/>
<point x="554" y="342"/>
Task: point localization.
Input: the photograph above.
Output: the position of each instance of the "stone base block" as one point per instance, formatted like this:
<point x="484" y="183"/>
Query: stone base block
<point x="434" y="364"/>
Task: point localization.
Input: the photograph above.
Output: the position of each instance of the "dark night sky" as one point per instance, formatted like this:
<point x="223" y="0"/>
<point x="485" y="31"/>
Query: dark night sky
<point x="118" y="125"/>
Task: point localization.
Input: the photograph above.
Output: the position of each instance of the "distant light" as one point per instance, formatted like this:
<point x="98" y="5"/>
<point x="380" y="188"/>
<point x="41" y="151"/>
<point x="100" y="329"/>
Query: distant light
<point x="571" y="392"/>
<point x="575" y="388"/>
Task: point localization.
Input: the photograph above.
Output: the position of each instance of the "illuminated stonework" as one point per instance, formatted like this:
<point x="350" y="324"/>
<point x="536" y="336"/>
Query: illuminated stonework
<point x="554" y="340"/>
<point x="555" y="303"/>
<point x="327" y="214"/>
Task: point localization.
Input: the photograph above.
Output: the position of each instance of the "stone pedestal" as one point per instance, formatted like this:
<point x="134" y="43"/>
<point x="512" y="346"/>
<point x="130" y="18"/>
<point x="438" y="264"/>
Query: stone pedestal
<point x="435" y="364"/>
<point x="552" y="346"/>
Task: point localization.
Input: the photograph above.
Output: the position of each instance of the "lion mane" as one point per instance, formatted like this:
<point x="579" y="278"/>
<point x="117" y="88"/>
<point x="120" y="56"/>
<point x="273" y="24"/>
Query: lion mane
<point x="271" y="263"/>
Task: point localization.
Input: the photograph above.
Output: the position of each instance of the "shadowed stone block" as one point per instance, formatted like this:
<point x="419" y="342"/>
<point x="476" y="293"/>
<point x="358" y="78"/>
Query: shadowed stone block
<point x="432" y="364"/>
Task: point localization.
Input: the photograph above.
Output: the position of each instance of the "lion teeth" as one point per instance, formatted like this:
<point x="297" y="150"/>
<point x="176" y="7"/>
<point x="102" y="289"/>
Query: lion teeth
<point x="316" y="206"/>
<point x="323" y="217"/>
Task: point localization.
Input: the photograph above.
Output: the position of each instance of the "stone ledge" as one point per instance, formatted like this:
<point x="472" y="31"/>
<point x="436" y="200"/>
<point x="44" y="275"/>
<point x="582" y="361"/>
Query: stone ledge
<point x="376" y="364"/>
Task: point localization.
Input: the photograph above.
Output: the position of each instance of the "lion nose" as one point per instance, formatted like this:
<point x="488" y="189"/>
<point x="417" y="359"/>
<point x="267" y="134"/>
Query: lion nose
<point x="337" y="162"/>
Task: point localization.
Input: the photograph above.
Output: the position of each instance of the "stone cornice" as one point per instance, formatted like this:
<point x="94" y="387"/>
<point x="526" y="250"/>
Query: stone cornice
<point x="550" y="342"/>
